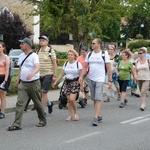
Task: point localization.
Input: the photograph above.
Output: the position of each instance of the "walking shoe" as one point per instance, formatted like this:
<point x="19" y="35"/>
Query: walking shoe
<point x="50" y="108"/>
<point x="107" y="100"/>
<point x="119" y="97"/>
<point x="100" y="119"/>
<point x="121" y="105"/>
<point x="2" y="115"/>
<point x="125" y="101"/>
<point x="41" y="124"/>
<point x="95" y="122"/>
<point x="142" y="107"/>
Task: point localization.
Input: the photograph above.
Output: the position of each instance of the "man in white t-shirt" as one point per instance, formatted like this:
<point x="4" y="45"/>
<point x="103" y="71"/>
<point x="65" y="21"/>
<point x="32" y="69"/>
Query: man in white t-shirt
<point x="96" y="65"/>
<point x="29" y="85"/>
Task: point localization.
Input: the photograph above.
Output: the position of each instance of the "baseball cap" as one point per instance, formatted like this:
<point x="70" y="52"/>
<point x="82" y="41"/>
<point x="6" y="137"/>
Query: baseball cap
<point x="26" y="40"/>
<point x="44" y="37"/>
<point x="144" y="48"/>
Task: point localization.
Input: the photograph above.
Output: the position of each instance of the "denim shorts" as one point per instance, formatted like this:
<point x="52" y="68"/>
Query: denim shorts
<point x="96" y="89"/>
<point x="115" y="79"/>
<point x="46" y="82"/>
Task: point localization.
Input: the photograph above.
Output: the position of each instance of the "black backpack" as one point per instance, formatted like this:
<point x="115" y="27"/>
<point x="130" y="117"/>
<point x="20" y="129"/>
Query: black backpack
<point x="103" y="56"/>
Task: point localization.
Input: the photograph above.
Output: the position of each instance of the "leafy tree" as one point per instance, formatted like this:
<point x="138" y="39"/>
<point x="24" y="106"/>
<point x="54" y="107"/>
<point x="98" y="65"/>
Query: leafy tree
<point x="78" y="17"/>
<point x="138" y="19"/>
<point x="13" y="29"/>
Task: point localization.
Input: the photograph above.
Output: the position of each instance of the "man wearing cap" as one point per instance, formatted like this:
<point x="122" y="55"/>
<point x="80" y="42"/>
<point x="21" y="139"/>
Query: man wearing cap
<point x="48" y="69"/>
<point x="29" y="85"/>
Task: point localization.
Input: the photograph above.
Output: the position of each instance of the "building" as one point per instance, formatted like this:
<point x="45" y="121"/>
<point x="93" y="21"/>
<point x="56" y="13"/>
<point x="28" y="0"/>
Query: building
<point x="23" y="9"/>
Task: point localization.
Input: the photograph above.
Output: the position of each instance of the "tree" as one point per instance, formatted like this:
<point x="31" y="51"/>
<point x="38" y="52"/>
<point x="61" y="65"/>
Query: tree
<point x="13" y="29"/>
<point x="78" y="17"/>
<point x="138" y="20"/>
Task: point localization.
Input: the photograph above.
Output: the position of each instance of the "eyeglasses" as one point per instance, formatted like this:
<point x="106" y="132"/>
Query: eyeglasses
<point x="93" y="43"/>
<point x="140" y="53"/>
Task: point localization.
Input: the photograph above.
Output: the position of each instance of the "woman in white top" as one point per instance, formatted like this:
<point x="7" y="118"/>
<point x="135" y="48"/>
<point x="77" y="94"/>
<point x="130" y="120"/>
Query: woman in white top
<point x="142" y="70"/>
<point x="71" y="87"/>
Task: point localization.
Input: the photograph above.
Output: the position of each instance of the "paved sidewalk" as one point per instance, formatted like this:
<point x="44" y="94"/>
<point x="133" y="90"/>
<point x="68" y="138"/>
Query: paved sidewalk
<point x="53" y="96"/>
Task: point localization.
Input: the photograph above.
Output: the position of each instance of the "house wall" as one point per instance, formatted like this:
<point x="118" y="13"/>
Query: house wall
<point x="22" y="9"/>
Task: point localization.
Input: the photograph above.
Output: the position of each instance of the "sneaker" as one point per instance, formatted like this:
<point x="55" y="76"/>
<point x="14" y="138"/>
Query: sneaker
<point x="50" y="108"/>
<point x="41" y="124"/>
<point x="121" y="105"/>
<point x="100" y="119"/>
<point x="95" y="122"/>
<point x="119" y="97"/>
<point x="107" y="100"/>
<point x="2" y="115"/>
<point x="125" y="101"/>
<point x="142" y="107"/>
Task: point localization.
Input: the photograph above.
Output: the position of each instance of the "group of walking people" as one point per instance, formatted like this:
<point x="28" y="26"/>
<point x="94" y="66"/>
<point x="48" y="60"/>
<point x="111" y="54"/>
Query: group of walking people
<point x="37" y="72"/>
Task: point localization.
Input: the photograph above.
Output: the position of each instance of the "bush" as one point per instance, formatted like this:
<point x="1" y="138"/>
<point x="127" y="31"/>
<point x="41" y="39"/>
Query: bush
<point x="13" y="89"/>
<point x="60" y="62"/>
<point x="138" y="44"/>
<point x="61" y="55"/>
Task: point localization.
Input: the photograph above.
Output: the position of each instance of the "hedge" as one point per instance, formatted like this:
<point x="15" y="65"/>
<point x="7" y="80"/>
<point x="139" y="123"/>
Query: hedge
<point x="138" y="44"/>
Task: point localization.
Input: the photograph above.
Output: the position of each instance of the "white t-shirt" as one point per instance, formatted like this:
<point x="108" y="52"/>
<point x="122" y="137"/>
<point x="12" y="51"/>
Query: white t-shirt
<point x="71" y="70"/>
<point x="28" y="66"/>
<point x="97" y="66"/>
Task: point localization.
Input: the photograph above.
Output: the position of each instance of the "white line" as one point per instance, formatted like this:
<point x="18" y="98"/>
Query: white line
<point x="81" y="137"/>
<point x="127" y="121"/>
<point x="134" y="119"/>
<point x="140" y="121"/>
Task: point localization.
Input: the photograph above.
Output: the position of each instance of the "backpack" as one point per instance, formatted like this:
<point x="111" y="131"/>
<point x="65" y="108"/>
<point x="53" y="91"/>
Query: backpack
<point x="11" y="67"/>
<point x="49" y="53"/>
<point x="103" y="56"/>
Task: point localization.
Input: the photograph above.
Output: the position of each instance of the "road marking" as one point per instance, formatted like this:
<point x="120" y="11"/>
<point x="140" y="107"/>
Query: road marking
<point x="140" y="121"/>
<point x="81" y="137"/>
<point x="136" y="120"/>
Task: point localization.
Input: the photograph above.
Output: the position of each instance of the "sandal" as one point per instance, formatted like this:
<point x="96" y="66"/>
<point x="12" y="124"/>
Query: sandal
<point x="41" y="124"/>
<point x="13" y="128"/>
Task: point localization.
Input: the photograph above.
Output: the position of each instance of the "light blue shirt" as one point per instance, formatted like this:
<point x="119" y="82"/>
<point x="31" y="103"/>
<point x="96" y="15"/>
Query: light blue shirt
<point x="147" y="56"/>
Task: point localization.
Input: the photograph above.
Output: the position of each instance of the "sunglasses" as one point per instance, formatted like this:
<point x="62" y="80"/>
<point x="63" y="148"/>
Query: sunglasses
<point x="140" y="53"/>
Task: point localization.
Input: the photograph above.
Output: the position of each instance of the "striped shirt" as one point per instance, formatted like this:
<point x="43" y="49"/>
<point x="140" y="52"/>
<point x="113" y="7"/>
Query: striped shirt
<point x="46" y="65"/>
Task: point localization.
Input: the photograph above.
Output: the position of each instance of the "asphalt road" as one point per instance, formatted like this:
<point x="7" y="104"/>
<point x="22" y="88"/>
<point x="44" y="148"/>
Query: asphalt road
<point x="122" y="129"/>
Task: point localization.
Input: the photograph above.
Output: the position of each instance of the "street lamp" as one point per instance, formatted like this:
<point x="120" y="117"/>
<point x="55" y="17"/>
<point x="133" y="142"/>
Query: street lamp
<point x="141" y="26"/>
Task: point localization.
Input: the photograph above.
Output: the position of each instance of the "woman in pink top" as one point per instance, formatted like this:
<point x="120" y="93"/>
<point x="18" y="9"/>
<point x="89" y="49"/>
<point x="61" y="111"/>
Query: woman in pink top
<point x="81" y="59"/>
<point x="4" y="73"/>
<point x="142" y="70"/>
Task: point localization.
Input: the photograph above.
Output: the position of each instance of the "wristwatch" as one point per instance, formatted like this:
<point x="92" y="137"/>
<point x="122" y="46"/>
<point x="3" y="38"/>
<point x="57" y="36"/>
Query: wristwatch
<point x="110" y="80"/>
